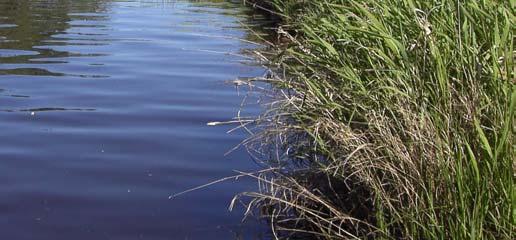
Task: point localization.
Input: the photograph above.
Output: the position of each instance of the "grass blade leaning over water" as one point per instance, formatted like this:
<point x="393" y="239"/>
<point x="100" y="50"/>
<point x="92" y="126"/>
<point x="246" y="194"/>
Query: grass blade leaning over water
<point x="398" y="121"/>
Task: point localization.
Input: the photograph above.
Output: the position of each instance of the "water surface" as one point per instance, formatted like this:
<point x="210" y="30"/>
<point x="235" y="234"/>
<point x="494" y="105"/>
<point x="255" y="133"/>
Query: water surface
<point x="103" y="108"/>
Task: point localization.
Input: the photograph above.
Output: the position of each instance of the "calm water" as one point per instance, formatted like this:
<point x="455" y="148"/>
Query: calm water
<point x="103" y="108"/>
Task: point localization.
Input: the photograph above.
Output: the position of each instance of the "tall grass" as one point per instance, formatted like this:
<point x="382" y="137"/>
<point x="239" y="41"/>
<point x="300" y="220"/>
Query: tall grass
<point x="394" y="119"/>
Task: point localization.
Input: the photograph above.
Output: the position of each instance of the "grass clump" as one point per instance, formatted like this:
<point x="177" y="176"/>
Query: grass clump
<point x="394" y="120"/>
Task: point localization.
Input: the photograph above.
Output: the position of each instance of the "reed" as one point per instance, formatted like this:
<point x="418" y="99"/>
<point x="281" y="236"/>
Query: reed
<point x="392" y="119"/>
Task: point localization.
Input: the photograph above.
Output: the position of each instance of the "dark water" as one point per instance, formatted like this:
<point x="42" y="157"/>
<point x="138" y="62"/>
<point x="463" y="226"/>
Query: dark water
<point x="103" y="112"/>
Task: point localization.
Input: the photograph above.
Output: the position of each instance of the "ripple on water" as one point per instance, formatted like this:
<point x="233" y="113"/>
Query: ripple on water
<point x="15" y="53"/>
<point x="8" y="25"/>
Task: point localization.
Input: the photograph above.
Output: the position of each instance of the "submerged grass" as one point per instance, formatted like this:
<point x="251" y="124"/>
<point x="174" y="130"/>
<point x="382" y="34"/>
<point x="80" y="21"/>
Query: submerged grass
<point x="394" y="119"/>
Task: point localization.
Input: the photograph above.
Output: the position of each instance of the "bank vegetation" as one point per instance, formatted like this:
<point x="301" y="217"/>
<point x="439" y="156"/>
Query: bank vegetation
<point x="393" y="119"/>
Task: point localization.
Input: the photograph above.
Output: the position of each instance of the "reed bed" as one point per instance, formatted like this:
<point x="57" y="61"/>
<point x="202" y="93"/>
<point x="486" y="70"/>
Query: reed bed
<point x="392" y="119"/>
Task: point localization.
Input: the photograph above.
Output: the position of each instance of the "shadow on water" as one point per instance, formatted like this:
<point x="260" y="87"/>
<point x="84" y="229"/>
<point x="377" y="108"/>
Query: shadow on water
<point x="104" y="105"/>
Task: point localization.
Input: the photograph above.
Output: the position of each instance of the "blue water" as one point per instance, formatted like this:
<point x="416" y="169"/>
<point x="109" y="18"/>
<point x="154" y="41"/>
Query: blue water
<point x="103" y="108"/>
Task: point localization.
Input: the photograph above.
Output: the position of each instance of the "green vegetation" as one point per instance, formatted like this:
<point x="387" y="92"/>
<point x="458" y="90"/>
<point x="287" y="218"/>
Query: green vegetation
<point x="394" y="119"/>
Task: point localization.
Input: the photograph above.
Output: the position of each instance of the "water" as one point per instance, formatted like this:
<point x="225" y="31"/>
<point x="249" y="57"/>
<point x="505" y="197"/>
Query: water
<point x="103" y="108"/>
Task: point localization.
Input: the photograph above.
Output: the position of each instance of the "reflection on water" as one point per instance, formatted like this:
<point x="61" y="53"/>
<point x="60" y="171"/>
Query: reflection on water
<point x="104" y="105"/>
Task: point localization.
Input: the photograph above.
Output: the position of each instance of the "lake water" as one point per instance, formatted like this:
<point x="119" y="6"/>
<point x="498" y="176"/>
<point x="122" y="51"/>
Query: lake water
<point x="103" y="108"/>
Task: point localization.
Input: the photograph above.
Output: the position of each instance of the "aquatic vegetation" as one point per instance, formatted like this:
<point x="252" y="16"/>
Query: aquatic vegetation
<point x="393" y="119"/>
